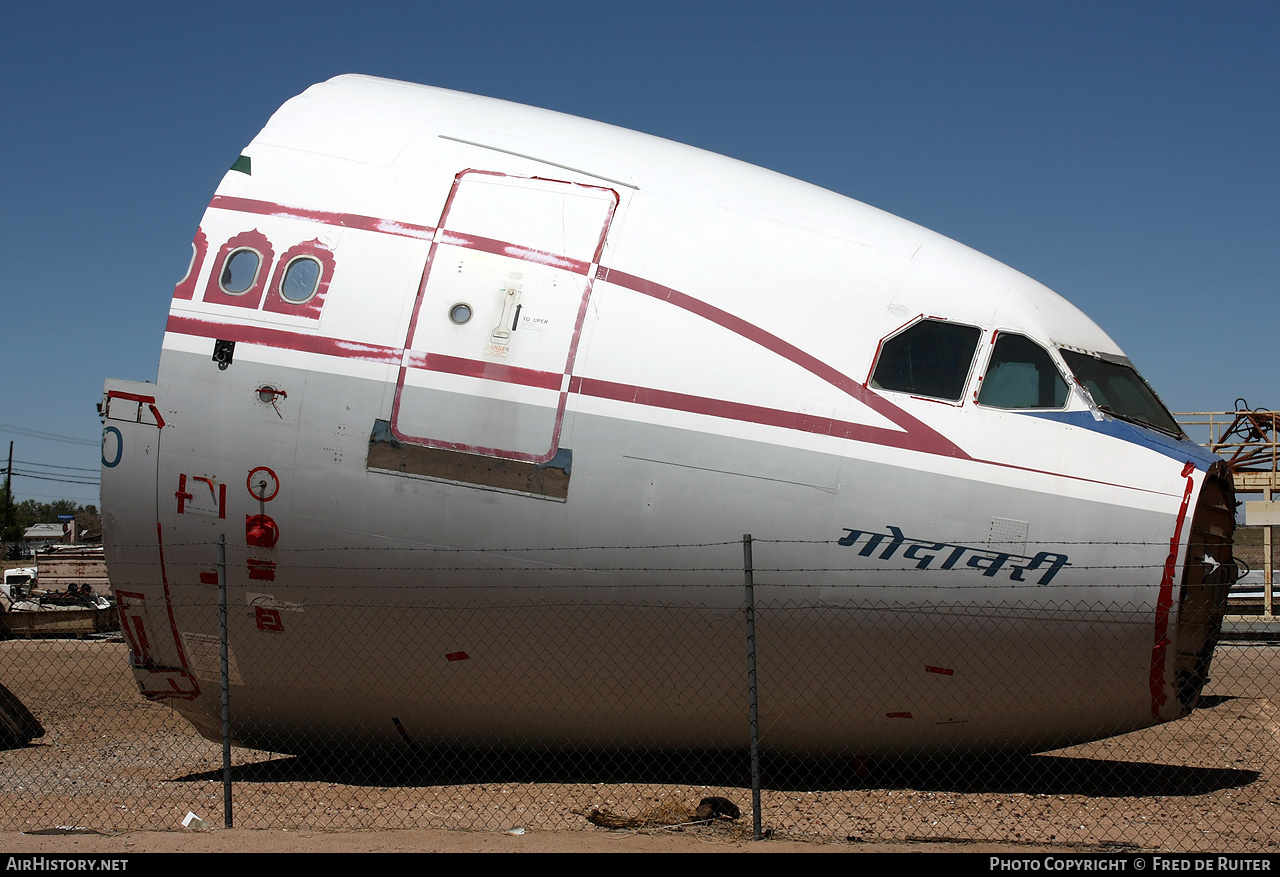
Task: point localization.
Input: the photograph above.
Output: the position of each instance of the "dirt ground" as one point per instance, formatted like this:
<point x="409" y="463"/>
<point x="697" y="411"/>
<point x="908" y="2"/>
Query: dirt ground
<point x="114" y="773"/>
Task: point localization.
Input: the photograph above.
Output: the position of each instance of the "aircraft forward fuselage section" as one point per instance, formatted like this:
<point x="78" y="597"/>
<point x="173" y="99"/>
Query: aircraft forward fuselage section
<point x="440" y="323"/>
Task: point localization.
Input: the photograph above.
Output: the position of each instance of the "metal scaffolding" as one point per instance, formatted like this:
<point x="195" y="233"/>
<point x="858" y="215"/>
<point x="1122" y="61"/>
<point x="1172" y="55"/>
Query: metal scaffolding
<point x="1249" y="441"/>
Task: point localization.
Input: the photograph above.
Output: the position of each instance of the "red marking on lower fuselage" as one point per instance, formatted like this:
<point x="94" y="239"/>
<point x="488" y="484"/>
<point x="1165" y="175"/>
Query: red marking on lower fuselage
<point x="268" y="619"/>
<point x="265" y="497"/>
<point x="1081" y="478"/>
<point x="134" y="627"/>
<point x="261" y="531"/>
<point x="217" y="492"/>
<point x="184" y="669"/>
<point x="261" y="570"/>
<point x="1164" y="602"/>
<point x="181" y="494"/>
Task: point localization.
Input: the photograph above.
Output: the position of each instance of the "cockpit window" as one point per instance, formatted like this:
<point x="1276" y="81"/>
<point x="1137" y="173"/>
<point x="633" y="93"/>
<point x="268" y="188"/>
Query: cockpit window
<point x="1021" y="374"/>
<point x="1120" y="391"/>
<point x="931" y="358"/>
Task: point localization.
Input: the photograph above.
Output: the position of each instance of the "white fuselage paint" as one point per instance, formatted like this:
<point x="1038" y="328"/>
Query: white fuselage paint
<point x="699" y="334"/>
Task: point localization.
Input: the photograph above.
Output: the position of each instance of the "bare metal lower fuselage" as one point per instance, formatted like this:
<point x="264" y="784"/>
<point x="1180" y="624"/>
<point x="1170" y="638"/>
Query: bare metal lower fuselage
<point x="556" y="623"/>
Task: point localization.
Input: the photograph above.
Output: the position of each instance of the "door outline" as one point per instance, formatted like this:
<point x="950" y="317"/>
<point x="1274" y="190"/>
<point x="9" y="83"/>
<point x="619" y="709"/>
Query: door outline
<point x="129" y="416"/>
<point x="557" y="381"/>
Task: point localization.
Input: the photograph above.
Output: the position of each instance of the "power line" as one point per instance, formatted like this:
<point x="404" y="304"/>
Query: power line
<point x="55" y="466"/>
<point x="45" y="477"/>
<point x="47" y="436"/>
<point x="55" y="496"/>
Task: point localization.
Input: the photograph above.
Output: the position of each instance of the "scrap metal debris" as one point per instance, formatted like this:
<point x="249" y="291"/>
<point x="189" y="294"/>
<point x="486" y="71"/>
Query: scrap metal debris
<point x="669" y="814"/>
<point x="18" y="726"/>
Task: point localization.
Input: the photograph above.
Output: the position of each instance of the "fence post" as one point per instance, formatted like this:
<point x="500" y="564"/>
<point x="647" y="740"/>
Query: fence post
<point x="226" y="681"/>
<point x="753" y="712"/>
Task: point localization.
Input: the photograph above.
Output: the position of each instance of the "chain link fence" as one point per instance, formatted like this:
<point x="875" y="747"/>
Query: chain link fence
<point x="601" y="696"/>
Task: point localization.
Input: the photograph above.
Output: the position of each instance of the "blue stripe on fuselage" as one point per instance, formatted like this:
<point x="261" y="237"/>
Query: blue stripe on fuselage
<point x="1179" y="449"/>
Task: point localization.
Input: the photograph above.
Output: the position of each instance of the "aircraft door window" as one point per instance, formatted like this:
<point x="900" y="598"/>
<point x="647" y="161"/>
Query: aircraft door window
<point x="1021" y="374"/>
<point x="929" y="358"/>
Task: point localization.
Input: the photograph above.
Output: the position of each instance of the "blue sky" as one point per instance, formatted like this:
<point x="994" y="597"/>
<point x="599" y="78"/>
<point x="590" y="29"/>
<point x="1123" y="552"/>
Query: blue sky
<point x="1125" y="154"/>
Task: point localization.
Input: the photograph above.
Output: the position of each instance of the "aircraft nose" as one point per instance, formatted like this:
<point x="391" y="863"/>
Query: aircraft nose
<point x="1207" y="576"/>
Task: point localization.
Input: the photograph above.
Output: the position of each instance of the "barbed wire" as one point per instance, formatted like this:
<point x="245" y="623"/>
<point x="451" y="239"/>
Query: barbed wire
<point x="984" y="545"/>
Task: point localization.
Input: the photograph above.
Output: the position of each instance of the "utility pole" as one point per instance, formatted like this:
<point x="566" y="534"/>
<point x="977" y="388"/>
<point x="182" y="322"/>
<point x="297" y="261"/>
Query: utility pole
<point x="8" y="501"/>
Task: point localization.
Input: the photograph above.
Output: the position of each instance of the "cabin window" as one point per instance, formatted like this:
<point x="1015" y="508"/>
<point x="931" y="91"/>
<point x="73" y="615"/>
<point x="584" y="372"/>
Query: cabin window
<point x="239" y="271"/>
<point x="239" y="275"/>
<point x="1021" y="374"/>
<point x="930" y="358"/>
<point x="301" y="278"/>
<point x="186" y="287"/>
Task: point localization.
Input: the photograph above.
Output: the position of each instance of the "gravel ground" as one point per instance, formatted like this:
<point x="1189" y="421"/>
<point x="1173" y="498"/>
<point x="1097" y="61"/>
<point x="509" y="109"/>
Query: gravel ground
<point x="129" y="770"/>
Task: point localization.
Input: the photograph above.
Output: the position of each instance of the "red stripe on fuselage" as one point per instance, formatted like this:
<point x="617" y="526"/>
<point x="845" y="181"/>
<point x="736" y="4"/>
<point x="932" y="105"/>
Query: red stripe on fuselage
<point x="449" y="237"/>
<point x="915" y="435"/>
<point x="739" y="411"/>
<point x="183" y="667"/>
<point x="1164" y="602"/>
<point x="129" y="397"/>
<point x="324" y="217"/>
<point x="284" y="340"/>
<point x="489" y="371"/>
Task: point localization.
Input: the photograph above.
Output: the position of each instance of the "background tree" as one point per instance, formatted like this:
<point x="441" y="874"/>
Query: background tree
<point x="29" y="512"/>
